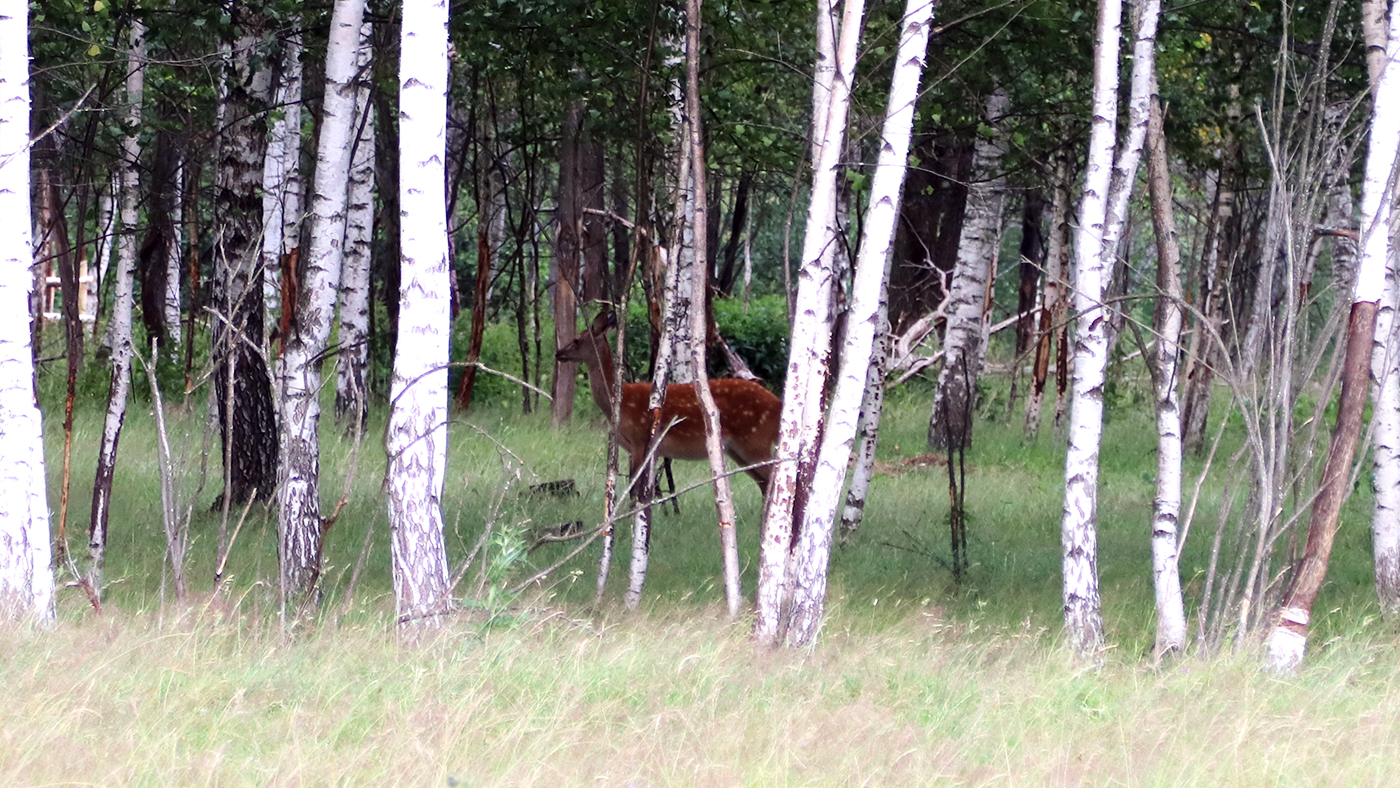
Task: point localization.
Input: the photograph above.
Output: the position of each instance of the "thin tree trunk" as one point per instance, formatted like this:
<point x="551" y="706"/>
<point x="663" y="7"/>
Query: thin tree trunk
<point x="1203" y="352"/>
<point x="119" y="331"/>
<point x="107" y="228"/>
<point x="1166" y="506"/>
<point x="1032" y="262"/>
<point x="1079" y="531"/>
<point x="863" y="322"/>
<point x="480" y="303"/>
<point x="1052" y="306"/>
<point x="281" y="186"/>
<point x="566" y="264"/>
<point x="954" y="400"/>
<point x="351" y="394"/>
<point x="724" y="498"/>
<point x="417" y="433"/>
<point x="809" y="354"/>
<point x="299" y="497"/>
<point x="26" y="579"/>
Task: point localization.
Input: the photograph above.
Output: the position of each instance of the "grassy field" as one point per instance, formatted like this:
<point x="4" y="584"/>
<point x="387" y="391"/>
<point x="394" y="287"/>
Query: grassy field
<point x="915" y="681"/>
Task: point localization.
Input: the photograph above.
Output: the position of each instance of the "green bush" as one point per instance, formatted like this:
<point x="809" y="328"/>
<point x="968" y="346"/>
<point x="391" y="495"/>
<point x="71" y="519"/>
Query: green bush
<point x="759" y="336"/>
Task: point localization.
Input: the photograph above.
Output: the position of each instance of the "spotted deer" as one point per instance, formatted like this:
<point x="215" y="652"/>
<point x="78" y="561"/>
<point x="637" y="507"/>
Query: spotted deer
<point x="748" y="412"/>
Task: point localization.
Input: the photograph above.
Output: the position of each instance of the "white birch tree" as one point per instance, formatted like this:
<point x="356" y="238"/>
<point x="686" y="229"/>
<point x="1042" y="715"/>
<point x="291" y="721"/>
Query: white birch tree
<point x="26" y="579"/>
<point x="1107" y="182"/>
<point x="351" y="395"/>
<point x="282" y="176"/>
<point x="1287" y="639"/>
<point x="864" y="320"/>
<point x="808" y="355"/>
<point x="1167" y="322"/>
<point x="1385" y="366"/>
<point x="950" y="424"/>
<point x="299" y="517"/>
<point x="119" y="324"/>
<point x="417" y="433"/>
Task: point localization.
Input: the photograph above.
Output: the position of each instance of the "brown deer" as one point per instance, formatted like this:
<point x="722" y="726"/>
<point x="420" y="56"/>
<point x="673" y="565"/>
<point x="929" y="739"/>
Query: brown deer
<point x="748" y="412"/>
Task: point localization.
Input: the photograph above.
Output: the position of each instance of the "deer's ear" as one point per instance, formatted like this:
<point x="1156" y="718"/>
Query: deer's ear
<point x="605" y="320"/>
<point x="602" y="322"/>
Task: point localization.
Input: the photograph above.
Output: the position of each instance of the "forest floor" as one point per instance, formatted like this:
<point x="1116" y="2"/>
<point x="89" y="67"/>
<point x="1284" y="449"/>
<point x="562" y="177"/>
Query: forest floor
<point x="916" y="679"/>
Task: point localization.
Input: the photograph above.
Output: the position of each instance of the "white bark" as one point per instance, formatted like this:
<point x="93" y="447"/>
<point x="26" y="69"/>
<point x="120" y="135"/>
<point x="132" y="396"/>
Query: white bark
<point x="119" y="324"/>
<point x="950" y="423"/>
<point x="299" y="518"/>
<point x="173" y="258"/>
<point x="863" y="321"/>
<point x="417" y="433"/>
<point x="107" y="222"/>
<point x="811" y="336"/>
<point x="1166" y="506"/>
<point x="26" y="579"/>
<point x="872" y="406"/>
<point x="351" y="396"/>
<point x="1288" y="639"/>
<point x="1385" y="364"/>
<point x="1079" y="538"/>
<point x="1385" y="519"/>
<point x="282" y="176"/>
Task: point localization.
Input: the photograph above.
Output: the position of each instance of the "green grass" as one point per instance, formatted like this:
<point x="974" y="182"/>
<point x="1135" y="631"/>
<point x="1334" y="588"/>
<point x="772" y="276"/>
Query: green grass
<point x="915" y="680"/>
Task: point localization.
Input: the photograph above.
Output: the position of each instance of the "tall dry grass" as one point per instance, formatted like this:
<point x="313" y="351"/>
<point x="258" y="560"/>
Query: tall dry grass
<point x="915" y="680"/>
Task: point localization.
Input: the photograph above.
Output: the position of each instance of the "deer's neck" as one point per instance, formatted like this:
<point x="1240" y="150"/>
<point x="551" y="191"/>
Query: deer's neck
<point x="600" y="378"/>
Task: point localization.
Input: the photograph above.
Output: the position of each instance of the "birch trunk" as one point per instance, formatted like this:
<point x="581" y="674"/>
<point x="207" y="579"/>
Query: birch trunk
<point x="1102" y="213"/>
<point x="1385" y="374"/>
<point x="814" y="540"/>
<point x="119" y="324"/>
<point x="107" y="224"/>
<point x="566" y="264"/>
<point x="950" y="424"/>
<point x="299" y="507"/>
<point x="174" y="257"/>
<point x="1385" y="363"/>
<point x="26" y="579"/>
<point x="351" y="395"/>
<point x="417" y="433"/>
<point x="1052" y="304"/>
<point x="724" y="497"/>
<point x="872" y="405"/>
<point x="243" y="385"/>
<point x="282" y="178"/>
<point x="1288" y="638"/>
<point x="1079" y="530"/>
<point x="809" y="353"/>
<point x="1166" y="506"/>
